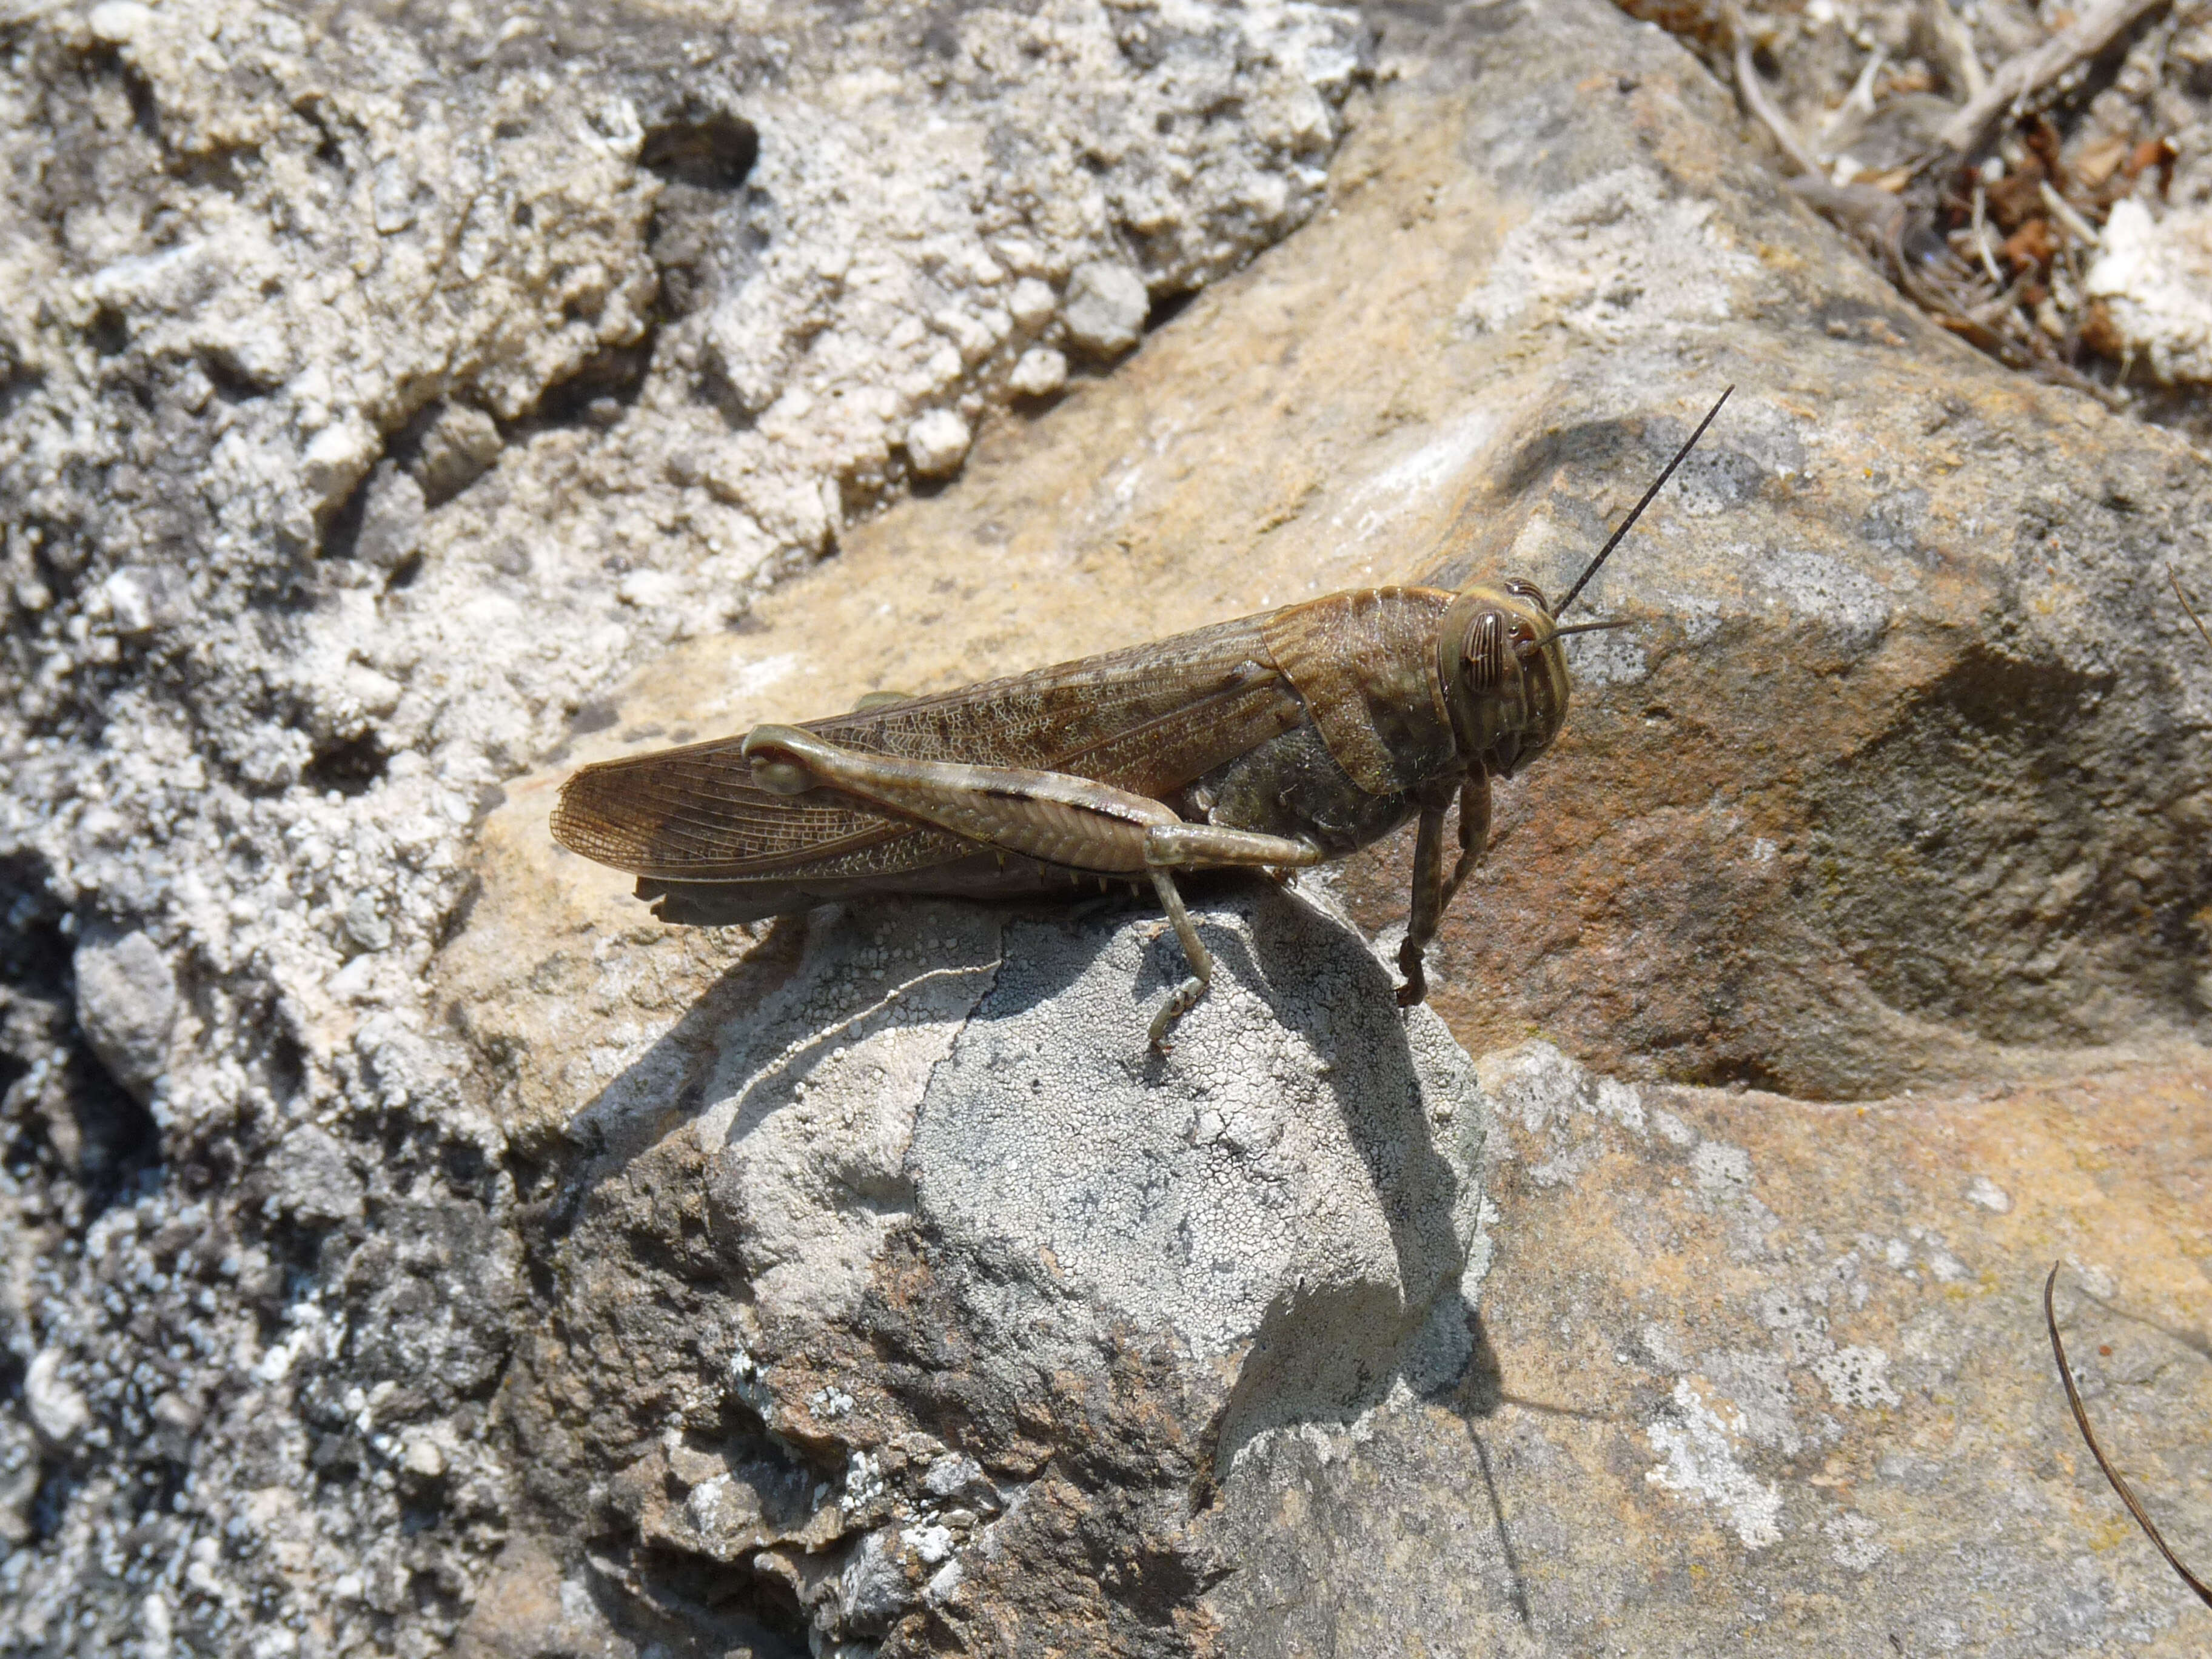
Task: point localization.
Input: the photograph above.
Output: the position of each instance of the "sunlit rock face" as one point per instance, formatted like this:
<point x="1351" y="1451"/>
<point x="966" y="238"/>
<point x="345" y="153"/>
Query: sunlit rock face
<point x="414" y="1243"/>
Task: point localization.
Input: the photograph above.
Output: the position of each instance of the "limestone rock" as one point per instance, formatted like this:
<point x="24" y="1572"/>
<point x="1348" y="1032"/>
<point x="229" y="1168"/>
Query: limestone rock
<point x="1105" y="308"/>
<point x="1276" y="1225"/>
<point x="1041" y="371"/>
<point x="1784" y="841"/>
<point x="318" y="333"/>
<point x="457" y="446"/>
<point x="1802" y="828"/>
<point x="1277" y="1155"/>
<point x="938" y="442"/>
<point x="2155" y="277"/>
<point x="126" y="1005"/>
<point x="314" y="1182"/>
<point x="392" y="519"/>
<point x="56" y="1408"/>
<point x="1755" y="1373"/>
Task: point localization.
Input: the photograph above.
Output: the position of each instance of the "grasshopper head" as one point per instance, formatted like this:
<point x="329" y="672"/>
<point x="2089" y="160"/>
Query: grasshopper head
<point x="1498" y="653"/>
<point x="1504" y="675"/>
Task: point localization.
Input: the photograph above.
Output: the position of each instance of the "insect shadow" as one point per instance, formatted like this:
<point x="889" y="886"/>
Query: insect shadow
<point x="1322" y="1352"/>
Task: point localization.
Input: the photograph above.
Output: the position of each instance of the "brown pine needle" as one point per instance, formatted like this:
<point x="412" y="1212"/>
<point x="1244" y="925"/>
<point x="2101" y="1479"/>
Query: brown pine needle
<point x="2190" y="608"/>
<point x="2082" y="1422"/>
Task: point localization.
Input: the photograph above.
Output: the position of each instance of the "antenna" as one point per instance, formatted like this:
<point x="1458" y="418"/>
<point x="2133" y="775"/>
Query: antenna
<point x="1628" y="523"/>
<point x="1589" y="627"/>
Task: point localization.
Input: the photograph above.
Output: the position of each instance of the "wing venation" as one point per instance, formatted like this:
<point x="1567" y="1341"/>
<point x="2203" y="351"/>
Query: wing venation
<point x="1150" y="719"/>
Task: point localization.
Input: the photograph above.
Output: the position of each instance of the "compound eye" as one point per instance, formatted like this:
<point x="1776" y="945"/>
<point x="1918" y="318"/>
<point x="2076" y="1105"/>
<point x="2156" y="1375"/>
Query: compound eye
<point x="1486" y="652"/>
<point x="1523" y="590"/>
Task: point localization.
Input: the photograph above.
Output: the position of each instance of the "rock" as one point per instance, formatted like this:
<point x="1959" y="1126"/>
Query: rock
<point x="936" y="443"/>
<point x="365" y="925"/>
<point x="56" y="1408"/>
<point x="1830" y="1375"/>
<point x="1262" y="1156"/>
<point x="1709" y="883"/>
<point x="130" y="601"/>
<point x="334" y="459"/>
<point x="117" y="23"/>
<point x="1274" y="1224"/>
<point x="702" y="282"/>
<point x="874" y="1589"/>
<point x="1898" y="784"/>
<point x="126" y="1005"/>
<point x="20" y="1469"/>
<point x="1105" y="308"/>
<point x="530" y="1606"/>
<point x="2154" y="277"/>
<point x="458" y="447"/>
<point x="391" y="519"/>
<point x="313" y="1183"/>
<point x="1041" y="371"/>
<point x="1031" y="304"/>
<point x="957" y="1478"/>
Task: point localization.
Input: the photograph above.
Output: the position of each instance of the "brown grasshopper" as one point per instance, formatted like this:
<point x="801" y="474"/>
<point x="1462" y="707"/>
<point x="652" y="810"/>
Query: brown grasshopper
<point x="1272" y="741"/>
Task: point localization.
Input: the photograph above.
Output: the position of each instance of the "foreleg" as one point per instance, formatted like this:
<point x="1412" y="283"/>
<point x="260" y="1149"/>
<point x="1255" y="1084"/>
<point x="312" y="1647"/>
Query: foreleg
<point x="1432" y="892"/>
<point x="1427" y="908"/>
<point x="1473" y="834"/>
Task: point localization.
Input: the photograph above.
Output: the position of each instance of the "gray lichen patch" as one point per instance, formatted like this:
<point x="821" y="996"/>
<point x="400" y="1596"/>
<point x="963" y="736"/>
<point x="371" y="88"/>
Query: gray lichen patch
<point x="1303" y="1139"/>
<point x="1303" y="1148"/>
<point x="943" y="1167"/>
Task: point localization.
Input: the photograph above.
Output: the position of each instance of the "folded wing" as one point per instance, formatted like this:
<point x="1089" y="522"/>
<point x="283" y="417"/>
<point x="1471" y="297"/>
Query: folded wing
<point x="1149" y="719"/>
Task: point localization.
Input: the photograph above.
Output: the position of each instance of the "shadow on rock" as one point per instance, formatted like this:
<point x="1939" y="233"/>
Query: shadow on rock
<point x="1411" y="1106"/>
<point x="1269" y="1200"/>
<point x="932" y="1119"/>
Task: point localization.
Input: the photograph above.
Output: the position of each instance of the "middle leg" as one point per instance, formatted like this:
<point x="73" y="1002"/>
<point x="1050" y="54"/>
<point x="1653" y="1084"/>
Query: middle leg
<point x="1169" y="846"/>
<point x="1428" y="906"/>
<point x="1473" y="834"/>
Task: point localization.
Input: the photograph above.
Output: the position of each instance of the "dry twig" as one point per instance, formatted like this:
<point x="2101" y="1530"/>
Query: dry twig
<point x="1954" y="46"/>
<point x="2020" y="78"/>
<point x="1754" y="93"/>
<point x="1877" y="216"/>
<point x="1879" y="220"/>
<point x="2081" y="1418"/>
<point x="2079" y="228"/>
<point x="2190" y="608"/>
<point x="1982" y="233"/>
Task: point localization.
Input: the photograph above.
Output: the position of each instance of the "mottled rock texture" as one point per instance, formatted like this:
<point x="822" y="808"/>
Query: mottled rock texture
<point x="462" y="1259"/>
<point x="973" y="1295"/>
<point x="376" y="384"/>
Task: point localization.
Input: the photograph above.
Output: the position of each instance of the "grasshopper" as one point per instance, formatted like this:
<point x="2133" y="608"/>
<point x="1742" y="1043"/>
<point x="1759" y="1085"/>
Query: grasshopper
<point x="1273" y="742"/>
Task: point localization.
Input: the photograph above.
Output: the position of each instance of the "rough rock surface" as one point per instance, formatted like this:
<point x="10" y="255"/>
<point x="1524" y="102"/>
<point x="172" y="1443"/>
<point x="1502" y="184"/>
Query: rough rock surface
<point x="1764" y="1376"/>
<point x="374" y="383"/>
<point x="972" y="1289"/>
<point x="414" y="1301"/>
<point x="2154" y="277"/>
